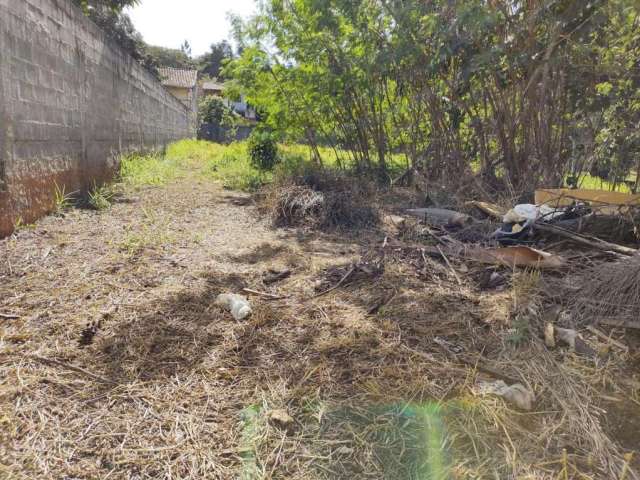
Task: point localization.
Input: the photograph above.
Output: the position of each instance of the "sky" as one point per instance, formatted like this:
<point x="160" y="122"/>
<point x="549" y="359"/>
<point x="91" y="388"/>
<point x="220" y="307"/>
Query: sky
<point x="168" y="23"/>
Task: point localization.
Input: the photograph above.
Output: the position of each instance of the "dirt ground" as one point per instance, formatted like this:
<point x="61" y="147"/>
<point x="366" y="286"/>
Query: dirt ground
<point x="116" y="363"/>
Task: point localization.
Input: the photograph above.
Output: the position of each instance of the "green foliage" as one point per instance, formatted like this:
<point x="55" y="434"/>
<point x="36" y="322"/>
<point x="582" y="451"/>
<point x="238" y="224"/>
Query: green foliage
<point x="214" y="110"/>
<point x="520" y="332"/>
<point x="113" y="5"/>
<point x="62" y="200"/>
<point x="19" y="224"/>
<point x="263" y="150"/>
<point x="520" y="93"/>
<point x="210" y="64"/>
<point x="170" y="57"/>
<point x="150" y="169"/>
<point x="117" y="26"/>
<point x="101" y="197"/>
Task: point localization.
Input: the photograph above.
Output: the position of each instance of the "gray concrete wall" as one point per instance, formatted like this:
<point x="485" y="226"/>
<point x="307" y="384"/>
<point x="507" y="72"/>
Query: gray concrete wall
<point x="70" y="102"/>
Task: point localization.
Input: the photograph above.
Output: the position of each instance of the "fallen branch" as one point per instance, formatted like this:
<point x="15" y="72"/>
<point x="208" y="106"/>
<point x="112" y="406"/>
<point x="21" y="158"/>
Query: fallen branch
<point x="612" y="322"/>
<point x="440" y="216"/>
<point x="337" y="285"/>
<point x="9" y="316"/>
<point x="446" y="260"/>
<point x="51" y="361"/>
<point x="263" y="294"/>
<point x="274" y="277"/>
<point x="592" y="242"/>
<point x="406" y="175"/>
<point x="607" y="338"/>
<point x="381" y="303"/>
<point x="490" y="209"/>
<point x="475" y="364"/>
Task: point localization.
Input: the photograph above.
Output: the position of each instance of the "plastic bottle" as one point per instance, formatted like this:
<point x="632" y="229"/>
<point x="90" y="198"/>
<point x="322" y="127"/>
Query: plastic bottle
<point x="237" y="304"/>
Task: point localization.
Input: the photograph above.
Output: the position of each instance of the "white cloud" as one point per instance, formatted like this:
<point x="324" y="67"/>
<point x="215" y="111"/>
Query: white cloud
<point x="169" y="23"/>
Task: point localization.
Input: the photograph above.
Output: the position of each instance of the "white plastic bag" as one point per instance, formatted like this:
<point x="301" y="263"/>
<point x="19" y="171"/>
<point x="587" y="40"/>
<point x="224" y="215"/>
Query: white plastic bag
<point x="529" y="213"/>
<point x="237" y="304"/>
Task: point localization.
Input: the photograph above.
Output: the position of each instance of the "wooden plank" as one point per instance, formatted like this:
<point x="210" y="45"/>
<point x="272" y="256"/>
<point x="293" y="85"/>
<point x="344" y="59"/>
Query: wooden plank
<point x="490" y="209"/>
<point x="609" y="202"/>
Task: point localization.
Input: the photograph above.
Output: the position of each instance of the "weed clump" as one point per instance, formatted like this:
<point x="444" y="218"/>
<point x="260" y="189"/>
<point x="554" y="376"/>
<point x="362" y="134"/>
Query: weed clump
<point x="63" y="200"/>
<point x="101" y="197"/>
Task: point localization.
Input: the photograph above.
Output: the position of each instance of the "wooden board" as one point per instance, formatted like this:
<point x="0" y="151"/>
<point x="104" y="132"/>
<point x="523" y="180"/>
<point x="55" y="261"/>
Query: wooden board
<point x="608" y="202"/>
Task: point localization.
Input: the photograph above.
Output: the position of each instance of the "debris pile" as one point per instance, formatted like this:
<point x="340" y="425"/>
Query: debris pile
<point x="558" y="233"/>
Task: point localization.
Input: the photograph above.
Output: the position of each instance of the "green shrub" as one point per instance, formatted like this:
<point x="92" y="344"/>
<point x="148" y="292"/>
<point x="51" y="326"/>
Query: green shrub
<point x="263" y="150"/>
<point x="214" y="110"/>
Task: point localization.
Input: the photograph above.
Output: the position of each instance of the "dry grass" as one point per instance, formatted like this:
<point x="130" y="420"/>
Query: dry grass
<point x="119" y="365"/>
<point x="608" y="290"/>
<point x="321" y="199"/>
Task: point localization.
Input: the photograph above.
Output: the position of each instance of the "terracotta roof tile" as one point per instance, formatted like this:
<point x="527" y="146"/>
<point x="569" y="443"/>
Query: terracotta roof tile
<point x="210" y="85"/>
<point x="174" y="77"/>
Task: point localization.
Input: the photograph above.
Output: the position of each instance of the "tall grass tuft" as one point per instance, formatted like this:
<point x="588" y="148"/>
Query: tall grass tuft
<point x="63" y="200"/>
<point x="101" y="196"/>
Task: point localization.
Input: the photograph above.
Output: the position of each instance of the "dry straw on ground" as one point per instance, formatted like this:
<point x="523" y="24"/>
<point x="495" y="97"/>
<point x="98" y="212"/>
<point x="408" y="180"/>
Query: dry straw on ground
<point x="350" y="384"/>
<point x="609" y="290"/>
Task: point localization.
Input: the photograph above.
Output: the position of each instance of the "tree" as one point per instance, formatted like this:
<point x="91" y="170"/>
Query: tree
<point x="170" y="57"/>
<point x="211" y="63"/>
<point x="185" y="48"/>
<point x="503" y="89"/>
<point x="114" y="5"/>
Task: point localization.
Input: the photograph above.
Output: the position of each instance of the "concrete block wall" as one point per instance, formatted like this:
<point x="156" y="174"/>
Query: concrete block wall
<point x="70" y="102"/>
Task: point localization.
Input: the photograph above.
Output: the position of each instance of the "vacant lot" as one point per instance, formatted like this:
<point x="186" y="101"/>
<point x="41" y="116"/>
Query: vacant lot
<point x="115" y="361"/>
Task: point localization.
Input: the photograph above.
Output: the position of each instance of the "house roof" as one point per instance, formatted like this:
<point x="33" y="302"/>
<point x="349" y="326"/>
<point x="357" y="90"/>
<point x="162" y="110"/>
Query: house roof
<point x="210" y="85"/>
<point x="174" y="77"/>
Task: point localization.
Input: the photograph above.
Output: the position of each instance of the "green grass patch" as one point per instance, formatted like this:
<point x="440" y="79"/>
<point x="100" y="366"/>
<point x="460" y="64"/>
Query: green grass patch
<point x="231" y="165"/>
<point x="589" y="182"/>
<point x="101" y="196"/>
<point x="150" y="169"/>
<point x="228" y="164"/>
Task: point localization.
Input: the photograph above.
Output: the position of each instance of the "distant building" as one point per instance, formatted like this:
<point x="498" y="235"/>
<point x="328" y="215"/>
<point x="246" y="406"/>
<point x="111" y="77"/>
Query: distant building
<point x="211" y="88"/>
<point x="183" y="84"/>
<point x="215" y="89"/>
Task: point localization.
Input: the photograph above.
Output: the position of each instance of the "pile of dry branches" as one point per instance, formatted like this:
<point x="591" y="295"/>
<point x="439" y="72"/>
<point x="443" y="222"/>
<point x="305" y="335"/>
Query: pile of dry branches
<point x="608" y="291"/>
<point x="322" y="199"/>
